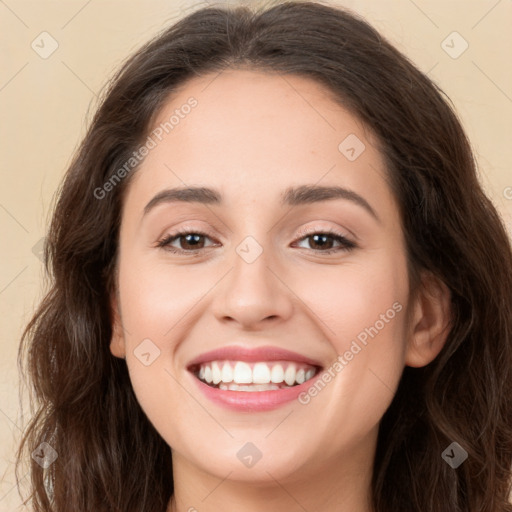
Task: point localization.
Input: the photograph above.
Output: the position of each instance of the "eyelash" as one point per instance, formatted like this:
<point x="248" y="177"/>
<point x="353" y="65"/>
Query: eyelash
<point x="164" y="243"/>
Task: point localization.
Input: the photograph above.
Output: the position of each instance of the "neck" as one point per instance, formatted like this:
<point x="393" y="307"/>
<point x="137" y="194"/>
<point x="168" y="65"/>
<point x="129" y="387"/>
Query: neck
<point x="330" y="486"/>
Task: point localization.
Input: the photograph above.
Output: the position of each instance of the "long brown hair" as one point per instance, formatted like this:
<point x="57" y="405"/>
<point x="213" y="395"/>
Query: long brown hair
<point x="110" y="457"/>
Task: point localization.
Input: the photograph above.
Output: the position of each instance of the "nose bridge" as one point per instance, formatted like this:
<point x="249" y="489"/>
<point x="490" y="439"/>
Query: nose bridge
<point x="252" y="238"/>
<point x="251" y="275"/>
<point x="255" y="250"/>
<point x="252" y="291"/>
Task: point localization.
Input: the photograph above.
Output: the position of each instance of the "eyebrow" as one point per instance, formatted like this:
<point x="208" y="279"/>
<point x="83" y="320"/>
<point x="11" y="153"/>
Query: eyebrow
<point x="292" y="196"/>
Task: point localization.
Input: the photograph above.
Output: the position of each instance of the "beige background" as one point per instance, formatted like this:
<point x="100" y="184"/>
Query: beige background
<point x="46" y="104"/>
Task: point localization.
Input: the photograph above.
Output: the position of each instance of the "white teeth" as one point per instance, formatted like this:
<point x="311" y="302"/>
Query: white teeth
<point x="230" y="387"/>
<point x="242" y="373"/>
<point x="289" y="375"/>
<point x="277" y="374"/>
<point x="208" y="374"/>
<point x="253" y="387"/>
<point x="261" y="374"/>
<point x="227" y="373"/>
<point x="216" y="375"/>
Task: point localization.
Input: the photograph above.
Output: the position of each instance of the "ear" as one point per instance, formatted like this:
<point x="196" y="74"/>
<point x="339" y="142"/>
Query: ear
<point x="117" y="343"/>
<point x="431" y="321"/>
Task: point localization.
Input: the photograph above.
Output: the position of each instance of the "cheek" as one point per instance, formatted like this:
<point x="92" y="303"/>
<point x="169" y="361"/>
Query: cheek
<point x="159" y="308"/>
<point x="361" y="310"/>
<point x="359" y="300"/>
<point x="155" y="297"/>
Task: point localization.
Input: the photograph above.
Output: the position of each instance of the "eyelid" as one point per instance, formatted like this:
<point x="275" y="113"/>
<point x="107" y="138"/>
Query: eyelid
<point x="190" y="227"/>
<point x="315" y="229"/>
<point x="346" y="243"/>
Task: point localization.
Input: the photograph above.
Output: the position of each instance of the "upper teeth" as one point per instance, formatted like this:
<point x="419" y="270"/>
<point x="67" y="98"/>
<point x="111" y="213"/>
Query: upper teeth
<point x="241" y="372"/>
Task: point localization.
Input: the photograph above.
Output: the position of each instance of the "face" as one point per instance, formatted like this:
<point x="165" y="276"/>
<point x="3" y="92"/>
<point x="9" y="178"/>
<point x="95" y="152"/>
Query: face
<point x="291" y="302"/>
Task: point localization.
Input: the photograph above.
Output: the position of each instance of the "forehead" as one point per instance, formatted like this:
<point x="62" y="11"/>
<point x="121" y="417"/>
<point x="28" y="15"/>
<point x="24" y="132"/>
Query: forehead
<point x="254" y="134"/>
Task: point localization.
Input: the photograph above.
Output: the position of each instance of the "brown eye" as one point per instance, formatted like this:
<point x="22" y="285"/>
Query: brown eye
<point x="322" y="242"/>
<point x="189" y="241"/>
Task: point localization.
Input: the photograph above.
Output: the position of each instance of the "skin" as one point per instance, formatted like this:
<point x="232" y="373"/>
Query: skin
<point x="251" y="136"/>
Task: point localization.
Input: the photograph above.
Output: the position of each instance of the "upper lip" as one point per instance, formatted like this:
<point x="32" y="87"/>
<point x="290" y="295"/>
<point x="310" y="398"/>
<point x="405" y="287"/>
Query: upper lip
<point x="240" y="353"/>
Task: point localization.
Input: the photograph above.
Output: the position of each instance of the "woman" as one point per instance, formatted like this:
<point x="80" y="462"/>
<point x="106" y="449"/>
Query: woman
<point x="277" y="283"/>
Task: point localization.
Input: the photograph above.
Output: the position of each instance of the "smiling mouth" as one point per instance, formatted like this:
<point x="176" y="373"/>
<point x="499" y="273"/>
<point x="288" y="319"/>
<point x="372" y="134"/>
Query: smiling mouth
<point x="253" y="376"/>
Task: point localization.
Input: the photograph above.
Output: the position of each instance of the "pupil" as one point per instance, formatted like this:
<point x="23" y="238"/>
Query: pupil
<point x="316" y="237"/>
<point x="194" y="237"/>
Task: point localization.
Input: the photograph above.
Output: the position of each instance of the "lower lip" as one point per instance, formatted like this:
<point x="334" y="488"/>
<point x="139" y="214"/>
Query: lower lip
<point x="253" y="401"/>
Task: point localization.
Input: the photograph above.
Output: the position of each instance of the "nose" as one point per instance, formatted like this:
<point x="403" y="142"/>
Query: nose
<point x="254" y="294"/>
